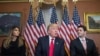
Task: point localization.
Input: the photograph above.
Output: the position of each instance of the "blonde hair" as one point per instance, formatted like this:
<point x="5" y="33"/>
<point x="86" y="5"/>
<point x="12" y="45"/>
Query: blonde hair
<point x="52" y="25"/>
<point x="7" y="41"/>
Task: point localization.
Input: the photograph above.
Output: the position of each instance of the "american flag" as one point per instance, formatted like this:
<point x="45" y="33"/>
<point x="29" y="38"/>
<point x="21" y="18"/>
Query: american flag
<point x="53" y="16"/>
<point x="75" y="23"/>
<point x="41" y="23"/>
<point x="29" y="33"/>
<point x="65" y="29"/>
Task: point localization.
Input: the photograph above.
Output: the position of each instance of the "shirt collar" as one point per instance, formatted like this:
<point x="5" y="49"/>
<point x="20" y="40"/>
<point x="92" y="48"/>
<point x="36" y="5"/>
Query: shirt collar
<point x="82" y="38"/>
<point x="51" y="37"/>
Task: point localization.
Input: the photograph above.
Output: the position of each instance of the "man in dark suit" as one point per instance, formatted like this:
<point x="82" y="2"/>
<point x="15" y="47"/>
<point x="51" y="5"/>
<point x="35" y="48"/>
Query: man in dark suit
<point x="82" y="46"/>
<point x="50" y="45"/>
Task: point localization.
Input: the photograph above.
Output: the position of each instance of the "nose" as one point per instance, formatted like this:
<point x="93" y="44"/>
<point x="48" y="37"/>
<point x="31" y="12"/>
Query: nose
<point x="56" y="30"/>
<point x="78" y="31"/>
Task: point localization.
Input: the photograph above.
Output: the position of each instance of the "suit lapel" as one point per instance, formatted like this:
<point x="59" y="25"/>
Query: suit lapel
<point x="56" y="45"/>
<point x="47" y="44"/>
<point x="87" y="43"/>
<point x="80" y="45"/>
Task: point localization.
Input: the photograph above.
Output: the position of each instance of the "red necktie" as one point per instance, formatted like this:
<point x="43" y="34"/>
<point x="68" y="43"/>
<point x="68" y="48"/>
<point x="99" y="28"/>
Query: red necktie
<point x="51" y="48"/>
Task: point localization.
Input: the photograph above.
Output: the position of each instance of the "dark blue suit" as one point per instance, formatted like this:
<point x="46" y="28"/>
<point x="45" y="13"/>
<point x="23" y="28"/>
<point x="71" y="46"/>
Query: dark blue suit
<point x="42" y="48"/>
<point x="76" y="48"/>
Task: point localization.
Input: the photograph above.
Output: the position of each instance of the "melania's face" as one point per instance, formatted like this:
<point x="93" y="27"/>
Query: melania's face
<point x="16" y="32"/>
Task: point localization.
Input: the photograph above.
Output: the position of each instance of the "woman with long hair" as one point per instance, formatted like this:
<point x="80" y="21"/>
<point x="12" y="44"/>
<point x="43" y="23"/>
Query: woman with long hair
<point x="14" y="45"/>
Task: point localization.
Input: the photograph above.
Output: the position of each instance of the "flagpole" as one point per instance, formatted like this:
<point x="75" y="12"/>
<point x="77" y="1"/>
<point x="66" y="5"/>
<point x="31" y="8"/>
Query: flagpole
<point x="40" y="3"/>
<point x="54" y="3"/>
<point x="65" y="4"/>
<point x="75" y="1"/>
<point x="65" y="8"/>
<point x="31" y="1"/>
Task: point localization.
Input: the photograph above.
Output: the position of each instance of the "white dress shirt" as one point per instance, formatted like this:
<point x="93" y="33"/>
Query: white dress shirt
<point x="50" y="38"/>
<point x="83" y="41"/>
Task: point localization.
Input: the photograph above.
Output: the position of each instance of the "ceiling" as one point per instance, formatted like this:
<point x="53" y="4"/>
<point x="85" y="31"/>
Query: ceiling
<point x="28" y="0"/>
<point x="14" y="0"/>
<point x="88" y="0"/>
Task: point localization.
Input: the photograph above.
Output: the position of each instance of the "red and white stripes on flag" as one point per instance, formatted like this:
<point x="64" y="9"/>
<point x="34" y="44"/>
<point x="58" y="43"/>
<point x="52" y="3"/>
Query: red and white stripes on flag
<point x="41" y="23"/>
<point x="30" y="33"/>
<point x="75" y="22"/>
<point x="34" y="30"/>
<point x="65" y="29"/>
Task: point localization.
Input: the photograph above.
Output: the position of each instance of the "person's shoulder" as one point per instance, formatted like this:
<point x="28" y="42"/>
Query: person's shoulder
<point x="74" y="40"/>
<point x="60" y="39"/>
<point x="22" y="39"/>
<point x="4" y="40"/>
<point x="43" y="37"/>
<point x="90" y="40"/>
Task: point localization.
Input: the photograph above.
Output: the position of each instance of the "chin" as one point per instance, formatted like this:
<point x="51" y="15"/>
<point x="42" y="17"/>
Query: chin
<point x="56" y="36"/>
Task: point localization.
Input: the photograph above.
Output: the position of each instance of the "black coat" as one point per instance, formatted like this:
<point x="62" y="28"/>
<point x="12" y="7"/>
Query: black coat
<point x="76" y="48"/>
<point x="13" y="49"/>
<point x="42" y="48"/>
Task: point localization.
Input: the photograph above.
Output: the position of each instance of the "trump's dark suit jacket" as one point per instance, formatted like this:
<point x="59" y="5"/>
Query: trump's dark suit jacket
<point x="76" y="48"/>
<point x="42" y="48"/>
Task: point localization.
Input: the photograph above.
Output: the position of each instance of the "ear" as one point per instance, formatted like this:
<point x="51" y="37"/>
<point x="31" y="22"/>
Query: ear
<point x="85" y="32"/>
<point x="48" y="32"/>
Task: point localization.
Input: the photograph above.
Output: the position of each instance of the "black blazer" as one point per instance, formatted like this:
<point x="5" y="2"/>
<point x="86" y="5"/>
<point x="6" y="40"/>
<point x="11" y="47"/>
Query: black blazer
<point x="76" y="48"/>
<point x="42" y="48"/>
<point x="13" y="49"/>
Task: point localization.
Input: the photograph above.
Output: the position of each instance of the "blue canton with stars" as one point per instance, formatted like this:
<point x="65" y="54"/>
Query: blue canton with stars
<point x="65" y="16"/>
<point x="53" y="16"/>
<point x="76" y="17"/>
<point x="30" y="18"/>
<point x="40" y="19"/>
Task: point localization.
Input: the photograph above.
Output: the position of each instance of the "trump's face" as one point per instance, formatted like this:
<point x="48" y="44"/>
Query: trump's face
<point x="53" y="30"/>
